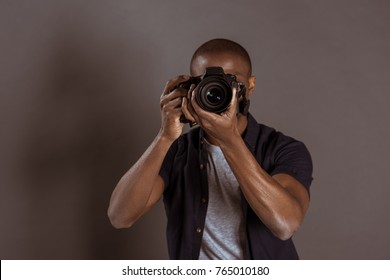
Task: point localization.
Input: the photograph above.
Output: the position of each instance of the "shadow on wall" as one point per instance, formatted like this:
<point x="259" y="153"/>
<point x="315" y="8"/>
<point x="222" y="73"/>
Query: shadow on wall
<point x="80" y="141"/>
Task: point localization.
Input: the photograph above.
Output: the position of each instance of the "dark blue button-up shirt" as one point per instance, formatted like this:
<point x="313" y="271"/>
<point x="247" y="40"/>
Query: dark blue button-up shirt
<point x="186" y="190"/>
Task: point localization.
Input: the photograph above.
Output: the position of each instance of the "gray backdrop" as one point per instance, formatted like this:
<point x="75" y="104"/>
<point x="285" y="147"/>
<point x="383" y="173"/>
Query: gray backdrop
<point x="80" y="83"/>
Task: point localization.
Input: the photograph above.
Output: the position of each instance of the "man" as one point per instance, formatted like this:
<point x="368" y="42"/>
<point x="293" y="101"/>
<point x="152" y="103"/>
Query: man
<point x="232" y="188"/>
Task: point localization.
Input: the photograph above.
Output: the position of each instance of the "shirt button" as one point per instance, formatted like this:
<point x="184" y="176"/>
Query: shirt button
<point x="198" y="230"/>
<point x="201" y="166"/>
<point x="204" y="200"/>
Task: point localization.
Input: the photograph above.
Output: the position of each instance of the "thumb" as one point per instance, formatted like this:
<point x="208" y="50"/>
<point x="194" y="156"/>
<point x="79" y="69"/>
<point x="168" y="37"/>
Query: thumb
<point x="232" y="108"/>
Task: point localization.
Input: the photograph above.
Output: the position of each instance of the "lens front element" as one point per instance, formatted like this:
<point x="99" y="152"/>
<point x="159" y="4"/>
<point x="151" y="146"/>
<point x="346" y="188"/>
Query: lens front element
<point x="214" y="94"/>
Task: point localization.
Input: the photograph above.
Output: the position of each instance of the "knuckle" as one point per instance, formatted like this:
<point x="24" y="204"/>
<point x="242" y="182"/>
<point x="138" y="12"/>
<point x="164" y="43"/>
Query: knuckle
<point x="165" y="108"/>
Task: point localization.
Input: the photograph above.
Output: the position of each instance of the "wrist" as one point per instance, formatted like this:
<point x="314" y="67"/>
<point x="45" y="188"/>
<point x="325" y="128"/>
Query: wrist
<point x="231" y="141"/>
<point x="164" y="138"/>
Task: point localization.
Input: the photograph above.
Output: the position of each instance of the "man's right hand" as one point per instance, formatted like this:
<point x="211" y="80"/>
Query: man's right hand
<point x="171" y="108"/>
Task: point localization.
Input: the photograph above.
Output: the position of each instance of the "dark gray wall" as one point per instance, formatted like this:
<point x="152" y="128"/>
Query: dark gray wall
<point x="80" y="83"/>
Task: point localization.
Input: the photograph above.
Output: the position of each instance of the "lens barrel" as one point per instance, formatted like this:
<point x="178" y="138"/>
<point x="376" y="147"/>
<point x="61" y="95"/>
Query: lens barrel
<point x="214" y="94"/>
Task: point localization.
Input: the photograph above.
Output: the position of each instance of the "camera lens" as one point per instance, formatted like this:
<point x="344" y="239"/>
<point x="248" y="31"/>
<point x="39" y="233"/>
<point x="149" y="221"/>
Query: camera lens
<point x="214" y="95"/>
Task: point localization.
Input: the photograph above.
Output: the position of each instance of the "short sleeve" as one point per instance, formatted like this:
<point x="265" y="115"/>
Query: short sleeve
<point x="166" y="167"/>
<point x="293" y="158"/>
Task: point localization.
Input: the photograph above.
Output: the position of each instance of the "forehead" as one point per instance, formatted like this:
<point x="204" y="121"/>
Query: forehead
<point x="230" y="62"/>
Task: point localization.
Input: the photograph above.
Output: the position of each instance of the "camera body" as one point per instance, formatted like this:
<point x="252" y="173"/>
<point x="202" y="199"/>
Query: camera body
<point x="214" y="89"/>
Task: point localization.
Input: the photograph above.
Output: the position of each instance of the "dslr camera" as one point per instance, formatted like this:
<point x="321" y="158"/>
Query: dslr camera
<point x="214" y="90"/>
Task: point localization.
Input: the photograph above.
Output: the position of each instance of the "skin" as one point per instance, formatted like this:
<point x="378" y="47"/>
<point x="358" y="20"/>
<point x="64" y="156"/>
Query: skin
<point x="279" y="201"/>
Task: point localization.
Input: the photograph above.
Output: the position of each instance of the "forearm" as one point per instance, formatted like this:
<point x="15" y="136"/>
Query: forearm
<point x="273" y="204"/>
<point x="132" y="193"/>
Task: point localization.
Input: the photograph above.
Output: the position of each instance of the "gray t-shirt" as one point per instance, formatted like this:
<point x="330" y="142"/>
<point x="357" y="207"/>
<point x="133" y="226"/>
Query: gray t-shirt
<point x="224" y="235"/>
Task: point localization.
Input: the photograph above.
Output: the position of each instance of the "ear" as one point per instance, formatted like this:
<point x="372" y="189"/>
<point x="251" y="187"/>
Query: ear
<point x="251" y="88"/>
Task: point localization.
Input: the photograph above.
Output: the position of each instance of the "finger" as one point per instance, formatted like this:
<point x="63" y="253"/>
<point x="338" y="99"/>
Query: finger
<point x="187" y="107"/>
<point x="175" y="113"/>
<point x="173" y="83"/>
<point x="189" y="96"/>
<point x="186" y="111"/>
<point x="232" y="108"/>
<point x="173" y="104"/>
<point x="179" y="92"/>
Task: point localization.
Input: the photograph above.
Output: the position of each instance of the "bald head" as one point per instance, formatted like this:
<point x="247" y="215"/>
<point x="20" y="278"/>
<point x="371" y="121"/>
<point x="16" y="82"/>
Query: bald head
<point x="220" y="47"/>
